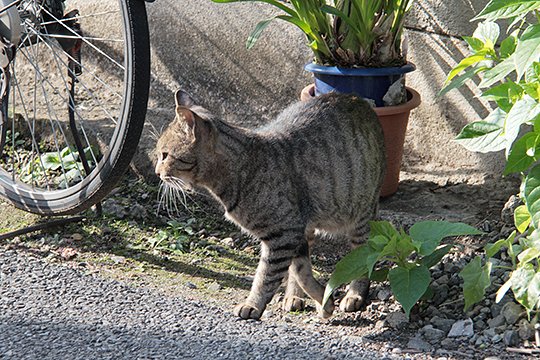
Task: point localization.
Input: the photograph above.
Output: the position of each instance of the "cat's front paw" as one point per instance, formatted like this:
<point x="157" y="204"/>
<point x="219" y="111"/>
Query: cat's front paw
<point x="246" y="311"/>
<point x="293" y="303"/>
<point x="352" y="303"/>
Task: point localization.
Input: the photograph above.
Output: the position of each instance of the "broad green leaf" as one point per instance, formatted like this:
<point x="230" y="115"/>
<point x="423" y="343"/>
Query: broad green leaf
<point x="508" y="46"/>
<point x="475" y="43"/>
<point x="531" y="191"/>
<point x="508" y="90"/>
<point x="499" y="72"/>
<point x="528" y="255"/>
<point x="522" y="154"/>
<point x="527" y="49"/>
<point x="435" y="257"/>
<point x="427" y="235"/>
<point x="503" y="9"/>
<point x="492" y="141"/>
<point x="408" y="285"/>
<point x="492" y="248"/>
<point x="379" y="275"/>
<point x="352" y="266"/>
<point x="378" y="242"/>
<point x="465" y="63"/>
<point x="476" y="279"/>
<point x="488" y="33"/>
<point x="521" y="278"/>
<point x="522" y="218"/>
<point x="383" y="228"/>
<point x="477" y="129"/>
<point x="533" y="90"/>
<point x="523" y="110"/>
<point x="458" y="81"/>
<point x="533" y="294"/>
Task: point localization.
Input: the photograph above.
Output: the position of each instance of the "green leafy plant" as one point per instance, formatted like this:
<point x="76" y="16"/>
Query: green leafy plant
<point x="402" y="259"/>
<point x="511" y="80"/>
<point x="176" y="237"/>
<point x="346" y="33"/>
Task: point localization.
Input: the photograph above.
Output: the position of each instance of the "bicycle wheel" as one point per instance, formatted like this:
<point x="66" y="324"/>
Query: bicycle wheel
<point x="75" y="104"/>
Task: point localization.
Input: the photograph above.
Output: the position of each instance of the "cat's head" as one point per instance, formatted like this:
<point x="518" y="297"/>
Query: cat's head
<point x="185" y="143"/>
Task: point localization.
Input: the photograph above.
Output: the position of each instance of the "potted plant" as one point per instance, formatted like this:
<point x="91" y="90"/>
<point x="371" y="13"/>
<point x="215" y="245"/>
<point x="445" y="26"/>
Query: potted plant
<point x="357" y="48"/>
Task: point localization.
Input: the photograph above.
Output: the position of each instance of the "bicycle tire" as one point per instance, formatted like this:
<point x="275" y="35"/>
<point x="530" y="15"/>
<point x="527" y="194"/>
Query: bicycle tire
<point x="114" y="160"/>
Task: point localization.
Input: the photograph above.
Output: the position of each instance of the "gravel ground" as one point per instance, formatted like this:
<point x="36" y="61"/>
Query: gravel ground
<point x="53" y="312"/>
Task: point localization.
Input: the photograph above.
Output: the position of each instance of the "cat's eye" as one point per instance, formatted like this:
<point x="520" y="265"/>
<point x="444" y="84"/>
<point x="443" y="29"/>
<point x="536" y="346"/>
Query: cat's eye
<point x="164" y="156"/>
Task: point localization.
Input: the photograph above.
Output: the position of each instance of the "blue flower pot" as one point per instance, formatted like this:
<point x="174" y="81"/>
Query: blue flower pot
<point x="370" y="83"/>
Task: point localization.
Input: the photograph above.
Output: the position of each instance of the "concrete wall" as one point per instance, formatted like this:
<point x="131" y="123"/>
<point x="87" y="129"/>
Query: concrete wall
<point x="200" y="46"/>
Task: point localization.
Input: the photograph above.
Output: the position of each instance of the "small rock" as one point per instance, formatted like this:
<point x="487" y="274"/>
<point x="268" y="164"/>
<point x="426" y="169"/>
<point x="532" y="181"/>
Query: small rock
<point x="462" y="328"/>
<point x="68" y="253"/>
<point x="442" y="324"/>
<point x="76" y="237"/>
<point x="525" y="330"/>
<point x="228" y="241"/>
<point x="432" y="334"/>
<point x="511" y="312"/>
<point x="118" y="259"/>
<point x="442" y="280"/>
<point x="496" y="321"/>
<point x="384" y="294"/>
<point x="449" y="344"/>
<point x="190" y="285"/>
<point x="497" y="338"/>
<point x="441" y="294"/>
<point x="480" y="340"/>
<point x="214" y="287"/>
<point x="396" y="319"/>
<point x="511" y="338"/>
<point x="418" y="343"/>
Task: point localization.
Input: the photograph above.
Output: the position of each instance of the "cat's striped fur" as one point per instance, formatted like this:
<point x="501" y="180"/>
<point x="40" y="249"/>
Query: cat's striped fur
<point x="318" y="166"/>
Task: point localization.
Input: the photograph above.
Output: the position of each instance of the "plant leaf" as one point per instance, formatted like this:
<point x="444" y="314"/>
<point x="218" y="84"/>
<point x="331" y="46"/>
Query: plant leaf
<point x="492" y="248"/>
<point x="528" y="255"/>
<point x="527" y="49"/>
<point x="458" y="81"/>
<point x="491" y="141"/>
<point x="408" y="285"/>
<point x="476" y="279"/>
<point x="436" y="256"/>
<point x="488" y="33"/>
<point x="383" y="228"/>
<point x="352" y="266"/>
<point x="499" y="72"/>
<point x="503" y="290"/>
<point x="503" y="9"/>
<point x="519" y="158"/>
<point x="533" y="293"/>
<point x="523" y="110"/>
<point x="508" y="46"/>
<point x="465" y="63"/>
<point x="427" y="235"/>
<point x="521" y="278"/>
<point x="522" y="218"/>
<point x="477" y="129"/>
<point x="531" y="191"/>
<point x="257" y="31"/>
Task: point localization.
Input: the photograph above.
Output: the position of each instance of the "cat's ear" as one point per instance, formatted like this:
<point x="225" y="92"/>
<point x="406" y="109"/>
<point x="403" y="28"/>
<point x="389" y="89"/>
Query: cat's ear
<point x="185" y="116"/>
<point x="183" y="99"/>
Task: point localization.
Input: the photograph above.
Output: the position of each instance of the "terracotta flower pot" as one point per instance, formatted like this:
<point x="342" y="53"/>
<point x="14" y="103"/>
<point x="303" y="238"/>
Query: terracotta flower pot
<point x="394" y="121"/>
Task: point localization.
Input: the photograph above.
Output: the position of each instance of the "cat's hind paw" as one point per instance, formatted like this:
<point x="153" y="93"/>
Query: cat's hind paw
<point x="246" y="311"/>
<point x="352" y="303"/>
<point x="293" y="303"/>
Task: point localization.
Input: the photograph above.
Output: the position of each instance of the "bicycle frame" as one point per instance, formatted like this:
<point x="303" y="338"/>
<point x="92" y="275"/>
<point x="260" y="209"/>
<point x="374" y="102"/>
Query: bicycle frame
<point x="10" y="21"/>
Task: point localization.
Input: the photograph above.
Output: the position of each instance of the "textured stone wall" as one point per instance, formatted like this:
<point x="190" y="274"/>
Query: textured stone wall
<point x="200" y="46"/>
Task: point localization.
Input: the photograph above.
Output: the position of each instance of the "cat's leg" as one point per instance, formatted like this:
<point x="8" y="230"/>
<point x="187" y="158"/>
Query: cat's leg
<point x="358" y="292"/>
<point x="276" y="257"/>
<point x="301" y="271"/>
<point x="294" y="295"/>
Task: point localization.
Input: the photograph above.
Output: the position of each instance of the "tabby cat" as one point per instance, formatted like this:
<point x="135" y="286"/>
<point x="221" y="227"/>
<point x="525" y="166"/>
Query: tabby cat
<point x="318" y="166"/>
